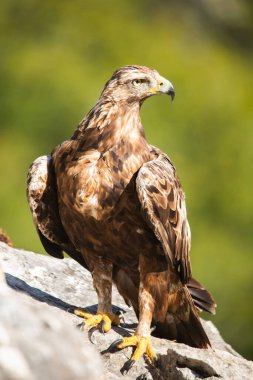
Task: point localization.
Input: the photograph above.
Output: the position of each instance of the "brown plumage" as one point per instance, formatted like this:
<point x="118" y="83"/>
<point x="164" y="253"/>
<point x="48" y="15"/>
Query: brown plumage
<point x="115" y="204"/>
<point x="5" y="238"/>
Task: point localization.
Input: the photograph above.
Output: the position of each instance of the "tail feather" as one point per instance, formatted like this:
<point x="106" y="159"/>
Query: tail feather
<point x="183" y="325"/>
<point x="191" y="332"/>
<point x="203" y="300"/>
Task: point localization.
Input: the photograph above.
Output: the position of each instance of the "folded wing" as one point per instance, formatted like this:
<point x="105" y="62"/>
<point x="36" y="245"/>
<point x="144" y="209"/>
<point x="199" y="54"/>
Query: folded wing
<point x="163" y="206"/>
<point x="43" y="202"/>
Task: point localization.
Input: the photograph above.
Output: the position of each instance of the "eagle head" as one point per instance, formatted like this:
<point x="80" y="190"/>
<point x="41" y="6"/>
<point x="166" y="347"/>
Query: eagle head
<point x="135" y="84"/>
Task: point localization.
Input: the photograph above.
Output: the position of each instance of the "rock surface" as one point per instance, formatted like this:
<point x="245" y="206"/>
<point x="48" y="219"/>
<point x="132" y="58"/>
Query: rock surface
<point x="38" y="338"/>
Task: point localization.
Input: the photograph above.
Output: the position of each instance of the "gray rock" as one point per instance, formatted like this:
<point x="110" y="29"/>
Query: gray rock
<point x="38" y="338"/>
<point x="37" y="341"/>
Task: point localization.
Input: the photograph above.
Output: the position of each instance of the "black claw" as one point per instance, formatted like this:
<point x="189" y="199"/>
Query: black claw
<point x="90" y="333"/>
<point x="129" y="325"/>
<point x="157" y="363"/>
<point x="142" y="377"/>
<point x="71" y="309"/>
<point x="113" y="347"/>
<point x="127" y="366"/>
<point x="80" y="326"/>
<point x="120" y="314"/>
<point x="101" y="327"/>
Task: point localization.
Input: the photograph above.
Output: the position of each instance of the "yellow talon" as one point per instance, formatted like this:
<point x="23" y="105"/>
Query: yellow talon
<point x="82" y="314"/>
<point x="93" y="320"/>
<point x="128" y="341"/>
<point x="143" y="347"/>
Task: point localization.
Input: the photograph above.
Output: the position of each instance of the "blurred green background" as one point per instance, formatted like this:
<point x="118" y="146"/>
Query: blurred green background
<point x="55" y="59"/>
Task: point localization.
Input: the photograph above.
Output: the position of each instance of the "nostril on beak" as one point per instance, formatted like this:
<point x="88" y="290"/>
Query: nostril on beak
<point x="161" y="84"/>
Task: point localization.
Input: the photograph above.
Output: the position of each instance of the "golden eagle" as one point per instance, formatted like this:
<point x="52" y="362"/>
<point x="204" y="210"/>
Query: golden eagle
<point x="114" y="203"/>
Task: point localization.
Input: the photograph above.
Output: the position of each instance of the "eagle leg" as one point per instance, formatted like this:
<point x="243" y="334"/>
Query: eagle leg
<point x="101" y="271"/>
<point x="141" y="339"/>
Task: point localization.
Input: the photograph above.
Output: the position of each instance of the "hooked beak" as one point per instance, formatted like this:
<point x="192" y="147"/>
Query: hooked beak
<point x="165" y="87"/>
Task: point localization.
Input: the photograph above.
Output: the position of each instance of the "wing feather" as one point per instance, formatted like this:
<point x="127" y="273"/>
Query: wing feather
<point x="163" y="206"/>
<point x="42" y="198"/>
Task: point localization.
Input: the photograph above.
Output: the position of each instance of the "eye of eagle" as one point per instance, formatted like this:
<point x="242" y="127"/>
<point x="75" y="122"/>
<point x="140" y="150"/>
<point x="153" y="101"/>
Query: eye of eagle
<point x="140" y="83"/>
